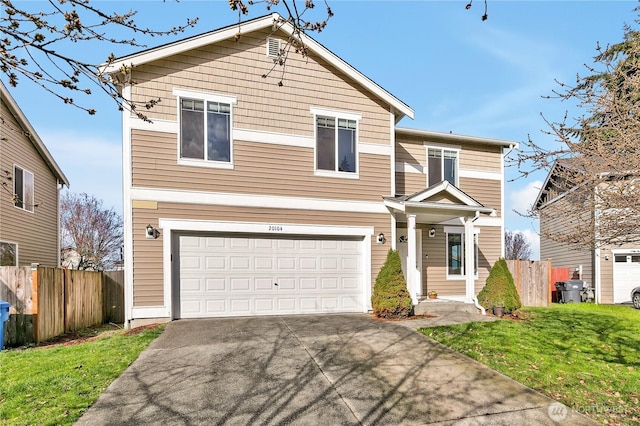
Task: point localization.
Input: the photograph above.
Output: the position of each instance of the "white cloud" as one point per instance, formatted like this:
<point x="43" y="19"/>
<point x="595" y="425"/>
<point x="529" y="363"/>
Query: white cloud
<point x="534" y="240"/>
<point x="93" y="164"/>
<point x="522" y="199"/>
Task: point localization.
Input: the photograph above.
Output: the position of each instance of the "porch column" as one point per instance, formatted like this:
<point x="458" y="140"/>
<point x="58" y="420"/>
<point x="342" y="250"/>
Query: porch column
<point x="412" y="276"/>
<point x="469" y="260"/>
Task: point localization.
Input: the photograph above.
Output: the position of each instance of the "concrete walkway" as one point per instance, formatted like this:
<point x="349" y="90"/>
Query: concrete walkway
<point x="311" y="370"/>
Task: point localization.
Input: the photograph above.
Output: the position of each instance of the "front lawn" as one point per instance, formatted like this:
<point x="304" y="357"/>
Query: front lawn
<point x="57" y="384"/>
<point x="584" y="355"/>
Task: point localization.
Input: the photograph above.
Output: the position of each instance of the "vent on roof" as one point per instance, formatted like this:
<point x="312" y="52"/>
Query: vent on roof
<point x="273" y="47"/>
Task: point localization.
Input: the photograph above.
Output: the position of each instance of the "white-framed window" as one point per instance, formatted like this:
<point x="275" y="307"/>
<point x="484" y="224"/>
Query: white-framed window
<point x="455" y="241"/>
<point x="23" y="189"/>
<point x="8" y="254"/>
<point x="336" y="147"/>
<point x="442" y="164"/>
<point x="206" y="132"/>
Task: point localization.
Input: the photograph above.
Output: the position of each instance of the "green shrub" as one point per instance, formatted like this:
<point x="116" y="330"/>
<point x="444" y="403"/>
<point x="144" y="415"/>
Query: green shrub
<point x="390" y="297"/>
<point x="500" y="289"/>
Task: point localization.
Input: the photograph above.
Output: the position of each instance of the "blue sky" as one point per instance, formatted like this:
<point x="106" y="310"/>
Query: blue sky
<point x="458" y="73"/>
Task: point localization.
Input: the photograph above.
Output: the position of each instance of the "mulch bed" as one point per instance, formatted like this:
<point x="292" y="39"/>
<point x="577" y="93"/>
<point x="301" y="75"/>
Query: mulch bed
<point x="413" y="317"/>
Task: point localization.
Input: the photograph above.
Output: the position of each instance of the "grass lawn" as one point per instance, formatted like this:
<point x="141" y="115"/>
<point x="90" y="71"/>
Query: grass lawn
<point x="584" y="355"/>
<point x="57" y="384"/>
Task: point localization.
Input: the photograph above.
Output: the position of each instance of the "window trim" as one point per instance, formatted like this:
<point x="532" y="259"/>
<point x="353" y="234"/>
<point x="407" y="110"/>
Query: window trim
<point x="33" y="179"/>
<point x="337" y="115"/>
<point x="460" y="230"/>
<point x="442" y="148"/>
<point x="206" y="97"/>
<point x="16" y="251"/>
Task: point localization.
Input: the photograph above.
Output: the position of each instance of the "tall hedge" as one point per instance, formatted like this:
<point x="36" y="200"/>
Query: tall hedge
<point x="500" y="289"/>
<point x="390" y="298"/>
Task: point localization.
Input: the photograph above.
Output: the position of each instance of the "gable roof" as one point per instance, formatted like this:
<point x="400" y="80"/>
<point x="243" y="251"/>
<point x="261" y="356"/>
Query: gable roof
<point x="400" y="108"/>
<point x="443" y="187"/>
<point x="560" y="167"/>
<point x="421" y="201"/>
<point x="30" y="132"/>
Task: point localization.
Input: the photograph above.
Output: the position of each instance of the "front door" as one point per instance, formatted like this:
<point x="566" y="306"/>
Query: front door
<point x="402" y="245"/>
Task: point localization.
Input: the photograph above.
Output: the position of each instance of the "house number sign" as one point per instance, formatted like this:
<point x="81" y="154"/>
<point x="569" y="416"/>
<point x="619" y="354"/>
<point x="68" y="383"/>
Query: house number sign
<point x="276" y="228"/>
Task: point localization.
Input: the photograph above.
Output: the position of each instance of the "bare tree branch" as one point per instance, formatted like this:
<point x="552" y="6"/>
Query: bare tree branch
<point x="91" y="234"/>
<point x="516" y="246"/>
<point x="30" y="42"/>
<point x="593" y="193"/>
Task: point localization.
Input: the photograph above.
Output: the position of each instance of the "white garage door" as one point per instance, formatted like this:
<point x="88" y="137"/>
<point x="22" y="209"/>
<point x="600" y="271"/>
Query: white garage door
<point x="226" y="275"/>
<point x="626" y="276"/>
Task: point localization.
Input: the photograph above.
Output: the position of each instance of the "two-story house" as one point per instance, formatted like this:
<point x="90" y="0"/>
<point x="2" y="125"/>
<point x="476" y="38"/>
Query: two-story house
<point x="612" y="271"/>
<point x="245" y="197"/>
<point x="30" y="181"/>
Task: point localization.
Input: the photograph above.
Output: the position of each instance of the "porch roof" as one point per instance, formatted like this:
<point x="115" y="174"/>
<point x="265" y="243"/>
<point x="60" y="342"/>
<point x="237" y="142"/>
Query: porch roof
<point x="438" y="203"/>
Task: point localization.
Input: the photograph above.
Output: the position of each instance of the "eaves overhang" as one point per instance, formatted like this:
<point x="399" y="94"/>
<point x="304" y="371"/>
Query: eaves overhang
<point x="455" y="138"/>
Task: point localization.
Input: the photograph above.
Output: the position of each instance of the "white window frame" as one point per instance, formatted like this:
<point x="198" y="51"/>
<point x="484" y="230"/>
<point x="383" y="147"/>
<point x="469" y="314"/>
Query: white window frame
<point x="443" y="148"/>
<point x="206" y="97"/>
<point x="26" y="206"/>
<point x="16" y="251"/>
<point x="337" y="115"/>
<point x="460" y="230"/>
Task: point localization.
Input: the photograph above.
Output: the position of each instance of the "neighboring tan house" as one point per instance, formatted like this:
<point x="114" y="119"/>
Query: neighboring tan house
<point x="611" y="271"/>
<point x="292" y="204"/>
<point x="30" y="181"/>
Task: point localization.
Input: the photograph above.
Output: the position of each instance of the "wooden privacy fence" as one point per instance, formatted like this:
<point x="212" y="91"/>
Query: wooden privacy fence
<point x="47" y="302"/>
<point x="533" y="281"/>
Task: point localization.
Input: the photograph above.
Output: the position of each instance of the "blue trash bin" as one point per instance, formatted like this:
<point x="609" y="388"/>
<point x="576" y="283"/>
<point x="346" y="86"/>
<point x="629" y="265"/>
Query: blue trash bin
<point x="4" y="316"/>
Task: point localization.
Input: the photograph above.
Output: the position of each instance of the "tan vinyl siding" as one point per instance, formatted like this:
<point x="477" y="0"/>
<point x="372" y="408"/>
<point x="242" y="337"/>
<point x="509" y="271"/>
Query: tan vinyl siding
<point x="434" y="272"/>
<point x="484" y="158"/>
<point x="35" y="233"/>
<point x="563" y="255"/>
<point x="487" y="192"/>
<point x="409" y="183"/>
<point x="412" y="150"/>
<point x="235" y="69"/>
<point x="489" y="251"/>
<point x="266" y="169"/>
<point x="148" y="274"/>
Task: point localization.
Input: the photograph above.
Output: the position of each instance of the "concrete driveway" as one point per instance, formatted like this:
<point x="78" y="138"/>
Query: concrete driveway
<point x="309" y="370"/>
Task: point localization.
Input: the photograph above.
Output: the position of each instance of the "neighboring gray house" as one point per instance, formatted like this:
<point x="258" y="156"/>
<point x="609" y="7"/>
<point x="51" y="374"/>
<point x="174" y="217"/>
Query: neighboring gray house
<point x="612" y="271"/>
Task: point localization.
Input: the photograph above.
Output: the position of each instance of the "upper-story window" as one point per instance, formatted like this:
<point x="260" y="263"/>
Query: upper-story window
<point x="337" y="143"/>
<point x="442" y="164"/>
<point x="205" y="128"/>
<point x="23" y="189"/>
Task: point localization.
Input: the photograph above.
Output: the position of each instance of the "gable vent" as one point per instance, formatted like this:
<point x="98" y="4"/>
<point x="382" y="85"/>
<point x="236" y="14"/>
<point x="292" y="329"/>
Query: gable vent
<point x="273" y="47"/>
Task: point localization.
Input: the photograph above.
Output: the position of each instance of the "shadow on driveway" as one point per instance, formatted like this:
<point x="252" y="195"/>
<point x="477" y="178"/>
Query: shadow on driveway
<point x="325" y="369"/>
